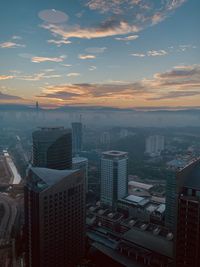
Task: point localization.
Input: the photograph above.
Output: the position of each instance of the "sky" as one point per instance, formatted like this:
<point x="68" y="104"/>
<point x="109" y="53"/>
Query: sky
<point x="115" y="53"/>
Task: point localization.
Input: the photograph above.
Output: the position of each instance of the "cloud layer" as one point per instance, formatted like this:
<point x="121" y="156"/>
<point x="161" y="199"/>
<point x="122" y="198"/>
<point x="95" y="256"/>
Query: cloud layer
<point x="181" y="81"/>
<point x="116" y="18"/>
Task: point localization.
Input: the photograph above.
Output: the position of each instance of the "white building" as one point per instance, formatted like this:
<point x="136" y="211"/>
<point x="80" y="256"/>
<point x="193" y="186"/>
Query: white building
<point x="81" y="163"/>
<point x="155" y="144"/>
<point x="114" y="178"/>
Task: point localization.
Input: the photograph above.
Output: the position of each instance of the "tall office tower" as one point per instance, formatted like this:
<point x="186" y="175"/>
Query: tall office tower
<point x="54" y="217"/>
<point x="174" y="185"/>
<point x="76" y="138"/>
<point x="52" y="148"/>
<point x="114" y="178"/>
<point x="81" y="163"/>
<point x="188" y="222"/>
<point x="155" y="145"/>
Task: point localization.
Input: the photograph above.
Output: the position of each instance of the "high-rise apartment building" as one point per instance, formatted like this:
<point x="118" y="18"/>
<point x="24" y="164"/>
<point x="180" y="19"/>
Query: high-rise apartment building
<point x="114" y="178"/>
<point x="155" y="144"/>
<point x="52" y="148"/>
<point x="188" y="218"/>
<point x="54" y="217"/>
<point x="76" y="138"/>
<point x="81" y="163"/>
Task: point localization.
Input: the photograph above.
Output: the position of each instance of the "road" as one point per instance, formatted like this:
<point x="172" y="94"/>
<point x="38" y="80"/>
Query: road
<point x="8" y="219"/>
<point x="16" y="176"/>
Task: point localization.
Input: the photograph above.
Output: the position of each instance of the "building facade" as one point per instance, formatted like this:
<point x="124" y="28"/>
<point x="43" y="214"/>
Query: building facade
<point x="114" y="178"/>
<point x="76" y="138"/>
<point x="81" y="163"/>
<point x="188" y="219"/>
<point x="52" y="148"/>
<point x="54" y="217"/>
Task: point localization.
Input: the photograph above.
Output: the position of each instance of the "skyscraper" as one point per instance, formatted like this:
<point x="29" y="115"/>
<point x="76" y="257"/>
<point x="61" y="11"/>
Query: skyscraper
<point x="114" y="178"/>
<point x="52" y="148"/>
<point x="175" y="182"/>
<point x="81" y="163"/>
<point x="188" y="221"/>
<point x="54" y="217"/>
<point x="76" y="138"/>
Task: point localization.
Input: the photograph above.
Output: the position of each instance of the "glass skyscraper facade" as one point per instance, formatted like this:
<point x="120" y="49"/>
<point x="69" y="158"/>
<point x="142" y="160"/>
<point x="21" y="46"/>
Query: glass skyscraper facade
<point x="52" y="148"/>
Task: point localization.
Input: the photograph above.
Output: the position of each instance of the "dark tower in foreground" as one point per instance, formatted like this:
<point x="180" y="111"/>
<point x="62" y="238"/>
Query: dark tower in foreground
<point x="188" y="222"/>
<point x="52" y="148"/>
<point x="76" y="138"/>
<point x="54" y="217"/>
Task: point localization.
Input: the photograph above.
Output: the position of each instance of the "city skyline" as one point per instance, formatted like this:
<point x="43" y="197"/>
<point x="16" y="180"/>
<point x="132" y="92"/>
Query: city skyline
<point x="131" y="53"/>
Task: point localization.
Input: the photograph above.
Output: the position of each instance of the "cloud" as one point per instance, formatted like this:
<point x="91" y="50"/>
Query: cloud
<point x="59" y="43"/>
<point x="181" y="81"/>
<point x="127" y="38"/>
<point x="62" y="95"/>
<point x="66" y="65"/>
<point x="39" y="76"/>
<point x="73" y="74"/>
<point x="6" y="77"/>
<point x="155" y="53"/>
<point x="53" y="16"/>
<point x="16" y="37"/>
<point x="138" y="55"/>
<point x="151" y="53"/>
<point x="87" y="56"/>
<point x="175" y="94"/>
<point x="116" y="18"/>
<point x="49" y="59"/>
<point x="96" y="50"/>
<point x="10" y="45"/>
<point x="106" y="29"/>
<point x="91" y="68"/>
<point x="8" y="97"/>
<point x="115" y="6"/>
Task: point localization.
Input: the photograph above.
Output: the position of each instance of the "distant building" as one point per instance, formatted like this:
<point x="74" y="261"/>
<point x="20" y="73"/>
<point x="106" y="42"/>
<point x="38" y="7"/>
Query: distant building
<point x="188" y="221"/>
<point x="54" y="217"/>
<point x="76" y="138"/>
<point x="105" y="138"/>
<point x="114" y="178"/>
<point x="81" y="163"/>
<point x="155" y="144"/>
<point x="52" y="148"/>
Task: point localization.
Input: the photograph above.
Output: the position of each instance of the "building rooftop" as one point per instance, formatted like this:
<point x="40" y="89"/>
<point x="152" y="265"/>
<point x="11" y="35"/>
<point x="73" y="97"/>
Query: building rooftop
<point x="136" y="200"/>
<point x="150" y="241"/>
<point x="47" y="177"/>
<point x="140" y="185"/>
<point x="114" y="153"/>
<point x="51" y="128"/>
<point x="48" y="132"/>
<point x="78" y="160"/>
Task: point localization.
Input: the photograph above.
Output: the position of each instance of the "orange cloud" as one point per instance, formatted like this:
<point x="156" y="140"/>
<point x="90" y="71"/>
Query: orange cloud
<point x="180" y="82"/>
<point x="6" y="77"/>
<point x="87" y="56"/>
<point x="10" y="45"/>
